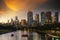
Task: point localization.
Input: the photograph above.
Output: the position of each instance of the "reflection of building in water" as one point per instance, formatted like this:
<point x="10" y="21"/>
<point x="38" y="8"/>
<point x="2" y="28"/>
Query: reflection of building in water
<point x="25" y="35"/>
<point x="30" y="34"/>
<point x="35" y="36"/>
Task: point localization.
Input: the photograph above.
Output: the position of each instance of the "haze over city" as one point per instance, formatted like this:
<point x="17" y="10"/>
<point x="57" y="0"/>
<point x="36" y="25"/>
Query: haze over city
<point x="9" y="8"/>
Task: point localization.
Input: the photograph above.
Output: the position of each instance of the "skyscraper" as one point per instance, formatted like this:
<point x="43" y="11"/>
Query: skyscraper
<point x="23" y="22"/>
<point x="48" y="18"/>
<point x="30" y="21"/>
<point x="12" y="22"/>
<point x="56" y="17"/>
<point x="8" y="22"/>
<point x="37" y="18"/>
<point x="16" y="21"/>
<point x="16" y="18"/>
<point x="42" y="18"/>
<point x="53" y="19"/>
<point x="30" y="17"/>
<point x="34" y="23"/>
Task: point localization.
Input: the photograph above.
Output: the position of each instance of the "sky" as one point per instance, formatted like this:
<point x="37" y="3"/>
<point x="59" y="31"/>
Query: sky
<point x="11" y="8"/>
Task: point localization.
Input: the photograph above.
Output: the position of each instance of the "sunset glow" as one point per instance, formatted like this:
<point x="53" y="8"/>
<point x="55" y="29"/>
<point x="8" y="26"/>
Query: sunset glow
<point x="17" y="5"/>
<point x="12" y="8"/>
<point x="5" y="16"/>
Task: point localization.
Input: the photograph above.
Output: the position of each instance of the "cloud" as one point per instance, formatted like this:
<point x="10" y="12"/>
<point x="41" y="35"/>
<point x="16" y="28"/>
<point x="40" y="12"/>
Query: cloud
<point x="22" y="4"/>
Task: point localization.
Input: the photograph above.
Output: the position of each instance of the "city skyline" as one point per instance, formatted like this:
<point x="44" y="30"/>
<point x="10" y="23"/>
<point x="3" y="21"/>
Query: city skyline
<point x="34" y="17"/>
<point x="6" y="17"/>
<point x="29" y="19"/>
<point x="9" y="9"/>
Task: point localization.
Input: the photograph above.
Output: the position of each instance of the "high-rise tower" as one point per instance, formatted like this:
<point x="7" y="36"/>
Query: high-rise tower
<point x="56" y="17"/>
<point x="23" y="22"/>
<point x="16" y="21"/>
<point x="37" y="18"/>
<point x="48" y="18"/>
<point x="30" y="17"/>
<point x="42" y="18"/>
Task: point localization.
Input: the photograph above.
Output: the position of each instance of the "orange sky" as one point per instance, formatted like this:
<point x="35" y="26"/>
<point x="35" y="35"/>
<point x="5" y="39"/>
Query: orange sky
<point x="22" y="4"/>
<point x="14" y="6"/>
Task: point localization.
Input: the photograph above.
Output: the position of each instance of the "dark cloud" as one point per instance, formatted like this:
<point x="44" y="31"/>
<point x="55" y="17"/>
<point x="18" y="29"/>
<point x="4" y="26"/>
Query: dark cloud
<point x="51" y="4"/>
<point x="55" y="4"/>
<point x="2" y="5"/>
